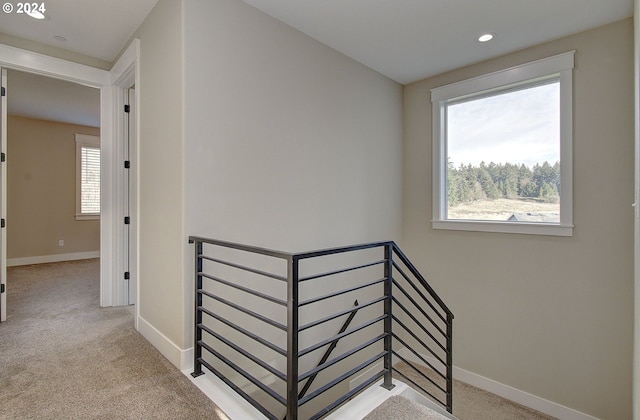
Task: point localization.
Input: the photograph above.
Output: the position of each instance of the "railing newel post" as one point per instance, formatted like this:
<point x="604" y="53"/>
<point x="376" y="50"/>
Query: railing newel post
<point x="292" y="337"/>
<point x="388" y="320"/>
<point x="449" y="362"/>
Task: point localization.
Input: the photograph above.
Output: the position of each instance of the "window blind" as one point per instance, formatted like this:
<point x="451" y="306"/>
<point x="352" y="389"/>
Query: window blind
<point x="90" y="180"/>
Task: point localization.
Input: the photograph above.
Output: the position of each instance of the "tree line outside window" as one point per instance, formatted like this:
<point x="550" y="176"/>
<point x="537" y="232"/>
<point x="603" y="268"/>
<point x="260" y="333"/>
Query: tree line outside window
<point x="468" y="183"/>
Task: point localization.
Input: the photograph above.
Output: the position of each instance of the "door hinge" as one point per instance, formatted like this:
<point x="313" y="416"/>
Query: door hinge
<point x="127" y="164"/>
<point x="127" y="220"/>
<point x="1" y="288"/>
<point x="126" y="275"/>
<point x="3" y="157"/>
<point x="127" y="108"/>
<point x="2" y="223"/>
<point x="3" y="91"/>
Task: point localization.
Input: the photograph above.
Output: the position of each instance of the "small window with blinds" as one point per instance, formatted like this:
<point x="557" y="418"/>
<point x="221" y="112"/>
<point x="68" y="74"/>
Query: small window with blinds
<point x="87" y="177"/>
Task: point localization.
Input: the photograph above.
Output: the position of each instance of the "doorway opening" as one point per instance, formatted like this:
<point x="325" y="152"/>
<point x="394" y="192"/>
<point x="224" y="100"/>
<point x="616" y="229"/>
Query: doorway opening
<point x="49" y="177"/>
<point x="112" y="86"/>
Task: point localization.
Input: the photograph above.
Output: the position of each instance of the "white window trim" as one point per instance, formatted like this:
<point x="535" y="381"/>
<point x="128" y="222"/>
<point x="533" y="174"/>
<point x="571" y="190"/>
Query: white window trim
<point x="556" y="66"/>
<point x="83" y="140"/>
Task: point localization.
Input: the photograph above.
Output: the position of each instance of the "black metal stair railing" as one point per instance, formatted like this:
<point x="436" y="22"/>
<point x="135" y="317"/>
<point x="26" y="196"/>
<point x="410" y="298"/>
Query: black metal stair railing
<point x="265" y="324"/>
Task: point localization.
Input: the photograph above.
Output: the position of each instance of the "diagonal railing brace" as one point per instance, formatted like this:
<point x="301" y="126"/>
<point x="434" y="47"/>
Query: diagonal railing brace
<point x="327" y="353"/>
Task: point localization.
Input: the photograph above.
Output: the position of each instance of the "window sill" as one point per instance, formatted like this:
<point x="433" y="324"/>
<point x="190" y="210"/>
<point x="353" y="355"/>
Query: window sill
<point x="87" y="217"/>
<point x="505" y="227"/>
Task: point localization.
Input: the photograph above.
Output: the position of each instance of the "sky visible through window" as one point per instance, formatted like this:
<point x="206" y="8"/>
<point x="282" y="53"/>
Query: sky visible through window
<point x="516" y="127"/>
<point x="489" y="139"/>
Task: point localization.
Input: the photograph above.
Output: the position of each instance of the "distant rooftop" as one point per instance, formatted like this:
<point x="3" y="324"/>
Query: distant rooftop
<point x="535" y="217"/>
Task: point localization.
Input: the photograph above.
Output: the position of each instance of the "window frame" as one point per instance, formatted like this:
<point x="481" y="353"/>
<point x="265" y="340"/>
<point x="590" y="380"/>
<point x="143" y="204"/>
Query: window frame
<point x="83" y="141"/>
<point x="558" y="66"/>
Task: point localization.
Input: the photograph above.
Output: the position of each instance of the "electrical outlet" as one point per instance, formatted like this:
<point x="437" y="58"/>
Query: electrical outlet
<point x="61" y="242"/>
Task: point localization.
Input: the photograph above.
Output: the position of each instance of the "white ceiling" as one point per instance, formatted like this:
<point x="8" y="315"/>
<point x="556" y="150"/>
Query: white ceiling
<point x="97" y="28"/>
<point x="34" y="96"/>
<point x="406" y="40"/>
<point x="409" y="40"/>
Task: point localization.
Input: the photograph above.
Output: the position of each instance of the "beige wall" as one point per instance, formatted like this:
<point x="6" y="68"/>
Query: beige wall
<point x="41" y="178"/>
<point x="551" y="316"/>
<point x="289" y="144"/>
<point x="283" y="145"/>
<point x="262" y="135"/>
<point x="162" y="239"/>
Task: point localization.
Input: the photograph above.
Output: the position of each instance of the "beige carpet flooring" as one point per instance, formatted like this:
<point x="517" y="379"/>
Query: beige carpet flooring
<point x="64" y="357"/>
<point x="400" y="408"/>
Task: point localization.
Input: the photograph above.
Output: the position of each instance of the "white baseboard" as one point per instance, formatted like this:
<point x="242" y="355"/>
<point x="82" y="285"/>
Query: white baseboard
<point x="183" y="360"/>
<point x="521" y="397"/>
<point x="232" y="405"/>
<point x="42" y="259"/>
<point x="180" y="358"/>
<point x="186" y="361"/>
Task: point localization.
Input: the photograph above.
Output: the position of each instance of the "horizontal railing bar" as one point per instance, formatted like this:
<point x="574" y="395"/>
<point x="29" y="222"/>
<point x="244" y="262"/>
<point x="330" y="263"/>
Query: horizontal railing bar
<point x="339" y="250"/>
<point x="355" y="391"/>
<point x="245" y="268"/>
<point x="245" y="353"/>
<point x="246" y="374"/>
<point x="422" y="359"/>
<point x="239" y="390"/>
<point x="422" y="343"/>
<point x="245" y="289"/>
<point x="341" y="378"/>
<point x="340" y="336"/>
<point x="341" y="292"/>
<point x="340" y="358"/>
<point x="426" y="299"/>
<point x="245" y="311"/>
<point x="248" y="333"/>
<point x="418" y="323"/>
<point x="419" y="308"/>
<point x="339" y="314"/>
<point x="241" y="247"/>
<point x="405" y="260"/>
<point x="420" y="387"/>
<point x="344" y="270"/>
<point x="420" y="373"/>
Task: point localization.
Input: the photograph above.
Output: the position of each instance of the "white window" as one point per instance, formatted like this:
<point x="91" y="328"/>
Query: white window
<point x="87" y="177"/>
<point x="502" y="147"/>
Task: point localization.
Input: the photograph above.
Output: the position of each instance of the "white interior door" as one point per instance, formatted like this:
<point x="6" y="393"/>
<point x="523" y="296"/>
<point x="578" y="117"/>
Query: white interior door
<point x="129" y="198"/>
<point x="3" y="198"/>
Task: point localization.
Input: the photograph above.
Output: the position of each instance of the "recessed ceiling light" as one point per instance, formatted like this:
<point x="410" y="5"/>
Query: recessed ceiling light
<point x="485" y="37"/>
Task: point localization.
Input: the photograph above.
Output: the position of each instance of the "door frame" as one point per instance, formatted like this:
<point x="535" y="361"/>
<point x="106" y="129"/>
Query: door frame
<point x="111" y="88"/>
<point x="3" y="196"/>
<point x="125" y="74"/>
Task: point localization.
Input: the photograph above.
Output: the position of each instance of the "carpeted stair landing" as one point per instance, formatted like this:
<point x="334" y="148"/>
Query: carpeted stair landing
<point x="401" y="408"/>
